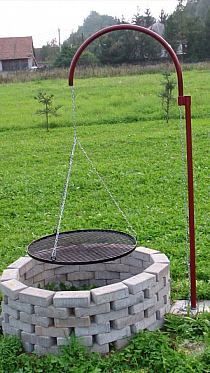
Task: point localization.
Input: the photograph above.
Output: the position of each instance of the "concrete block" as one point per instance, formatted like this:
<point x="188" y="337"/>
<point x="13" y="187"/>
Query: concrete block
<point x="124" y="275"/>
<point x="8" y="329"/>
<point x="113" y="281"/>
<point x="144" y="253"/>
<point x="41" y="351"/>
<point x="109" y="293"/>
<point x="101" y="349"/>
<point x="106" y="275"/>
<point x="10" y="274"/>
<point x="28" y="337"/>
<point x="93" y="267"/>
<point x="6" y="318"/>
<point x="142" y="306"/>
<point x="44" y="275"/>
<point x="158" y="269"/>
<point x="37" y="297"/>
<point x="135" y="270"/>
<point x="24" y="264"/>
<point x="149" y="321"/>
<point x="66" y="269"/>
<point x="72" y="322"/>
<point x="19" y="306"/>
<point x="51" y="311"/>
<point x="144" y="324"/>
<point x="114" y="335"/>
<point x="28" y="347"/>
<point x="35" y="270"/>
<point x="52" y="331"/>
<point x="113" y="315"/>
<point x="62" y="341"/>
<point x="18" y="324"/>
<point x="5" y="299"/>
<point x="10" y="311"/>
<point x="121" y="343"/>
<point x="160" y="258"/>
<point x="131" y="261"/>
<point x="86" y="340"/>
<point x="160" y="313"/>
<point x="36" y="320"/>
<point x="51" y="266"/>
<point x="93" y="309"/>
<point x="140" y="282"/>
<point x="115" y="261"/>
<point x="97" y="283"/>
<point x="156" y="325"/>
<point x="45" y="341"/>
<point x="72" y="299"/>
<point x="149" y="311"/>
<point x="117" y="267"/>
<point x="146" y="265"/>
<point x="93" y="329"/>
<point x="12" y="288"/>
<point x="74" y="276"/>
<point x="128" y="320"/>
<point x="127" y="302"/>
<point x="56" y="279"/>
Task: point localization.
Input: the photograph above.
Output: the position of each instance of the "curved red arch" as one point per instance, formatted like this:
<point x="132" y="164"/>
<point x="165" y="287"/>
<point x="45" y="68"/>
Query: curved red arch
<point x="144" y="30"/>
<point x="182" y="100"/>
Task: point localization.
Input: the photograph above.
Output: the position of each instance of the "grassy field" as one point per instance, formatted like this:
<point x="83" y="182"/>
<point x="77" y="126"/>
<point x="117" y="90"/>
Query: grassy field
<point x="136" y="152"/>
<point x="140" y="158"/>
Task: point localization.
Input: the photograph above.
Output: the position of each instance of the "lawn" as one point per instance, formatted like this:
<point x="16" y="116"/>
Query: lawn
<point x="139" y="156"/>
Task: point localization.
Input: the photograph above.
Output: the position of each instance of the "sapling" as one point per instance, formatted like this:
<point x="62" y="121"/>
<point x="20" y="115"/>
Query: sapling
<point x="48" y="109"/>
<point x="166" y="95"/>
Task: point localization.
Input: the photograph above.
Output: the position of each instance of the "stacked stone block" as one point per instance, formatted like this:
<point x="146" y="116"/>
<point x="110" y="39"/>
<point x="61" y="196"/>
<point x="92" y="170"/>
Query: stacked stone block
<point x="132" y="294"/>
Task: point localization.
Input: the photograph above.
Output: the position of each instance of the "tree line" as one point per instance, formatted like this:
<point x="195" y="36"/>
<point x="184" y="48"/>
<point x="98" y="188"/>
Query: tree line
<point x="187" y="30"/>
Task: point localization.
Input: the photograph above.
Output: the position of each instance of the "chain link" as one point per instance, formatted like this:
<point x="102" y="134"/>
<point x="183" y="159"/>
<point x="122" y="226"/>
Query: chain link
<point x="71" y="158"/>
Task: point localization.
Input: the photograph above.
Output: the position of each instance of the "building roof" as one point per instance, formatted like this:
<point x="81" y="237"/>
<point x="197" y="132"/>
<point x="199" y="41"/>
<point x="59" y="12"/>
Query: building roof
<point x="16" y="48"/>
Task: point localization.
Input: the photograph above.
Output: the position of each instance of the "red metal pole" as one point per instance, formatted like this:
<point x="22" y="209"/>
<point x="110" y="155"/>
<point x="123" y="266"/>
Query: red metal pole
<point x="186" y="101"/>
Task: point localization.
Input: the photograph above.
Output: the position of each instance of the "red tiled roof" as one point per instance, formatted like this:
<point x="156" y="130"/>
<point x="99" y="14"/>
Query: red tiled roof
<point x="16" y="48"/>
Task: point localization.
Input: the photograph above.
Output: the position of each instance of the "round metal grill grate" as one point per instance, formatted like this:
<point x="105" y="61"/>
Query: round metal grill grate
<point x="83" y="247"/>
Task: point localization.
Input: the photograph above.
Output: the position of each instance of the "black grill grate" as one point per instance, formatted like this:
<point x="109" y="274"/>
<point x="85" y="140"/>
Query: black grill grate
<point x="83" y="247"/>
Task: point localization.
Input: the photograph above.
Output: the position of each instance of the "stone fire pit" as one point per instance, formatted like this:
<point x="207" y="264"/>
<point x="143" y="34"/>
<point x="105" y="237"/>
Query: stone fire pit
<point x="130" y="294"/>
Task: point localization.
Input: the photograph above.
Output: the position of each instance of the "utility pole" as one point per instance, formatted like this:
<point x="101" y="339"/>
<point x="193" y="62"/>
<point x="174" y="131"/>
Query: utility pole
<point x="59" y="38"/>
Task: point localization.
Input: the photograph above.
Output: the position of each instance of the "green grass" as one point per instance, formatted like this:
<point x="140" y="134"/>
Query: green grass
<point x="137" y="154"/>
<point x="140" y="159"/>
<point x="182" y="347"/>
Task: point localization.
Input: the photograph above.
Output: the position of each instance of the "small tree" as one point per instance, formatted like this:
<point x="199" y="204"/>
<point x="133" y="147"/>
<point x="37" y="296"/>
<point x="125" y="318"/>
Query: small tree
<point x="48" y="109"/>
<point x="166" y="95"/>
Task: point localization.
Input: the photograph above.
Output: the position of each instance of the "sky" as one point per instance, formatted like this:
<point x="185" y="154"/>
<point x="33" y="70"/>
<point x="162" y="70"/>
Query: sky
<point x="41" y="19"/>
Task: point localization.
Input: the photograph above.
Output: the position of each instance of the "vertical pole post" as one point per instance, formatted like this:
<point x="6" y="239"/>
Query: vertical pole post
<point x="186" y="101"/>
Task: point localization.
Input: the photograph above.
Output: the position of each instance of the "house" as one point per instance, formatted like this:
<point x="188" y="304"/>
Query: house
<point x="17" y="53"/>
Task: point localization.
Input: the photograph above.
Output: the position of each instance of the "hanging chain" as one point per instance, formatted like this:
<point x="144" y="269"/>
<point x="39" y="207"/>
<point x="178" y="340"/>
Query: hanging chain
<point x="71" y="158"/>
<point x="64" y="196"/>
<point x="106" y="188"/>
<point x="184" y="180"/>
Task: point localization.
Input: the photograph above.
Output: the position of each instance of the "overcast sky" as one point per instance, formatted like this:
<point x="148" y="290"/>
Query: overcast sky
<point x="42" y="18"/>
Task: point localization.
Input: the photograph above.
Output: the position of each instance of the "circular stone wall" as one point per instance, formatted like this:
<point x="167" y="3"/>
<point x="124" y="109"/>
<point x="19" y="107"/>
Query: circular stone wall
<point x="130" y="294"/>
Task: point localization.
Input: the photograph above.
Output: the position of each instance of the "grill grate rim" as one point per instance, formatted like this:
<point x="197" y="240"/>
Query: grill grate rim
<point x="83" y="246"/>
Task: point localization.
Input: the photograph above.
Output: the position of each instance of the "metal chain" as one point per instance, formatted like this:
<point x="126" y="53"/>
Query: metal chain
<point x="184" y="180"/>
<point x="64" y="196"/>
<point x="71" y="158"/>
